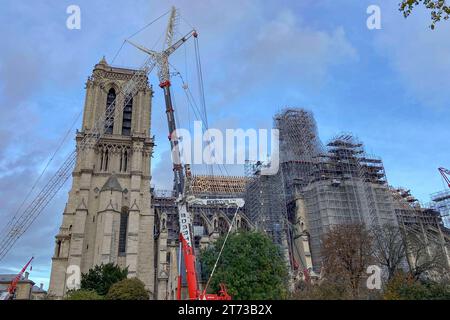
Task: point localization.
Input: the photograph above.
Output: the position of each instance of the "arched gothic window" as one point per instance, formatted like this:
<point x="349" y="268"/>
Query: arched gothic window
<point x="127" y="115"/>
<point x="123" y="231"/>
<point x="124" y="161"/>
<point x="104" y="159"/>
<point x="58" y="248"/>
<point x="223" y="226"/>
<point x="110" y="107"/>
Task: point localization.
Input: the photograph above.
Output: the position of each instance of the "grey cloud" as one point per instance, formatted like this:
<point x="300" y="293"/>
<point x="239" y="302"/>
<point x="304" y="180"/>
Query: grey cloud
<point x="20" y="72"/>
<point x="283" y="49"/>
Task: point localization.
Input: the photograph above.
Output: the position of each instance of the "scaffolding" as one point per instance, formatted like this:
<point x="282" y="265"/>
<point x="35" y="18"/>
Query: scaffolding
<point x="207" y="218"/>
<point x="208" y="185"/>
<point x="299" y="148"/>
<point x="441" y="203"/>
<point x="270" y="199"/>
<point x="316" y="188"/>
<point x="265" y="205"/>
<point x="347" y="186"/>
<point x="424" y="224"/>
<point x="210" y="219"/>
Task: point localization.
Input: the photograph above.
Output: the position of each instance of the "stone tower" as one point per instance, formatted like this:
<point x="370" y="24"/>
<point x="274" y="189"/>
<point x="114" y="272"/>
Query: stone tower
<point x="108" y="216"/>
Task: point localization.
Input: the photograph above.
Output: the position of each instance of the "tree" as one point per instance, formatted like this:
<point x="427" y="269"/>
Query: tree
<point x="128" y="289"/>
<point x="439" y="9"/>
<point x="404" y="287"/>
<point x="324" y="290"/>
<point x="251" y="267"/>
<point x="389" y="248"/>
<point x="347" y="252"/>
<point x="102" y="277"/>
<point x="426" y="258"/>
<point x="82" y="294"/>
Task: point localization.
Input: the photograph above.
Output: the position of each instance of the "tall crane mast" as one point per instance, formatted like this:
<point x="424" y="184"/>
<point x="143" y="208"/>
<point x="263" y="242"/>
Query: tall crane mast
<point x="161" y="60"/>
<point x="23" y="219"/>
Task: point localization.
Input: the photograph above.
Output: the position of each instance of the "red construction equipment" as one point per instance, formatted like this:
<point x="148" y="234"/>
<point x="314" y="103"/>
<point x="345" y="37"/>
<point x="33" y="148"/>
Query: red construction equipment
<point x="13" y="285"/>
<point x="161" y="60"/>
<point x="445" y="173"/>
<point x="223" y="294"/>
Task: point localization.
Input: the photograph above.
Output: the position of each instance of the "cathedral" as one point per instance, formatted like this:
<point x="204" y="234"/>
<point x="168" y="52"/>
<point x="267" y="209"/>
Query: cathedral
<point x="108" y="216"/>
<point x="113" y="215"/>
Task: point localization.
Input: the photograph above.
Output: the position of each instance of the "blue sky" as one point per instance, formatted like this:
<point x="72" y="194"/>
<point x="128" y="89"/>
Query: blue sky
<point x="389" y="87"/>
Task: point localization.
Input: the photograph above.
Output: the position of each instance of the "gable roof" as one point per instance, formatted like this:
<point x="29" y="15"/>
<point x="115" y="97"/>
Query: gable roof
<point x="112" y="184"/>
<point x="7" y="278"/>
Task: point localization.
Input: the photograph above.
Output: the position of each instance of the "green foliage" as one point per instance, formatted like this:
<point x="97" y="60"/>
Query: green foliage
<point x="404" y="287"/>
<point x="251" y="267"/>
<point x="128" y="289"/>
<point x="332" y="290"/>
<point x="439" y="9"/>
<point x="327" y="290"/>
<point x="82" y="294"/>
<point x="102" y="277"/>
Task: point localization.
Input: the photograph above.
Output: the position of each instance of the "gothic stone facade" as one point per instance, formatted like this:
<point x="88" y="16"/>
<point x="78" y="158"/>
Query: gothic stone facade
<point x="209" y="222"/>
<point x="108" y="216"/>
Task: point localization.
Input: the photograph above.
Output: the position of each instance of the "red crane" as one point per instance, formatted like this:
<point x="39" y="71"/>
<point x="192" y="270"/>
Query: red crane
<point x="445" y="173"/>
<point x="161" y="60"/>
<point x="13" y="285"/>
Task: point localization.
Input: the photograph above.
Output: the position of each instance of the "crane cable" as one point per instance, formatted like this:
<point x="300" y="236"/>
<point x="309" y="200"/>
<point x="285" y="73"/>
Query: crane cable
<point x="201" y="116"/>
<point x="202" y="113"/>
<point x="140" y="30"/>
<point x="221" y="249"/>
<point x="8" y="225"/>
<point x="8" y="239"/>
<point x="201" y="90"/>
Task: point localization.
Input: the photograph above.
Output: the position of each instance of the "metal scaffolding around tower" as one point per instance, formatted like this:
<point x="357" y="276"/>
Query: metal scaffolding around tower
<point x="441" y="203"/>
<point x="270" y="199"/>
<point x="316" y="188"/>
<point x="347" y="186"/>
<point x="422" y="225"/>
<point x="265" y="203"/>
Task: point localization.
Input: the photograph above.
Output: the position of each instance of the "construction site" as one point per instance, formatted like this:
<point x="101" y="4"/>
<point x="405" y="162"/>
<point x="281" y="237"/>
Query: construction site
<point x="212" y="215"/>
<point x="319" y="187"/>
<point x="316" y="188"/>
<point x="115" y="215"/>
